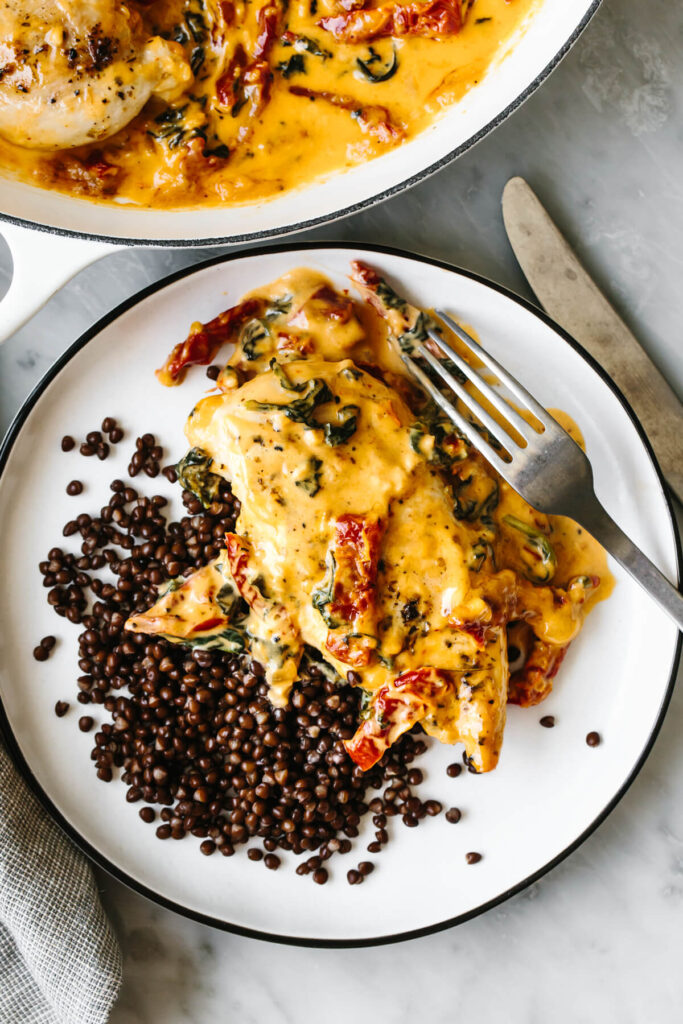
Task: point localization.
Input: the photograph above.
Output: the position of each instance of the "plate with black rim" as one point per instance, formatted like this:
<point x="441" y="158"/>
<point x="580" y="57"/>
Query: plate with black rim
<point x="550" y="790"/>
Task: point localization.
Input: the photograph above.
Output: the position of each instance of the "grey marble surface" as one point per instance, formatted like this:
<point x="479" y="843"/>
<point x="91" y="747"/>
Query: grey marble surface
<point x="601" y="938"/>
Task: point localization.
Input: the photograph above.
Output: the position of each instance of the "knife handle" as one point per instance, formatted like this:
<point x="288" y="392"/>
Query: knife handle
<point x="573" y="300"/>
<point x="644" y="387"/>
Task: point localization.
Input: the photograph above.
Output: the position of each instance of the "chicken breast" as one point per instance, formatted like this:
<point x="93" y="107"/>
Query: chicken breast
<point x="336" y="549"/>
<point x="368" y="530"/>
<point x="74" y="72"/>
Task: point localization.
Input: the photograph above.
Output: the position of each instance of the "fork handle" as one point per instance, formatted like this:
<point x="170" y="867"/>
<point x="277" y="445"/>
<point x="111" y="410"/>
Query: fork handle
<point x="601" y="525"/>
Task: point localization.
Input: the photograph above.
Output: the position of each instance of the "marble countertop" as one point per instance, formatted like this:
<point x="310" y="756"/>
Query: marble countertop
<point x="600" y="938"/>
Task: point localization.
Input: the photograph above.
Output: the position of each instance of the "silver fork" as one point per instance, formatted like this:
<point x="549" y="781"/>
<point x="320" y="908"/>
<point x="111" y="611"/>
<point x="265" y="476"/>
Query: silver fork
<point x="551" y="472"/>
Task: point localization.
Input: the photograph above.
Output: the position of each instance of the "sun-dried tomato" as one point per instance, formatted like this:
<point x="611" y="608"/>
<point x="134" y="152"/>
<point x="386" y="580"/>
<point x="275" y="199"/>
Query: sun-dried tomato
<point x="397" y="707"/>
<point x="534" y="681"/>
<point x="431" y="20"/>
<point x="204" y="340"/>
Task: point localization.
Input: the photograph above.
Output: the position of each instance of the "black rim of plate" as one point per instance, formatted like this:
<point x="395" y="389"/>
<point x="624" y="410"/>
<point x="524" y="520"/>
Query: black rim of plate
<point x="348" y="211"/>
<point x="100" y="859"/>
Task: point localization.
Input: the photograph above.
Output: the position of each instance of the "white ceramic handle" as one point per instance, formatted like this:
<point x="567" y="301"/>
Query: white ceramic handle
<point x="43" y="262"/>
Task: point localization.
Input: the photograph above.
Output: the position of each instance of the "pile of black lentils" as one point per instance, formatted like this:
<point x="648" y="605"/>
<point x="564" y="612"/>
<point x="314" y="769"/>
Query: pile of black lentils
<point x="193" y="733"/>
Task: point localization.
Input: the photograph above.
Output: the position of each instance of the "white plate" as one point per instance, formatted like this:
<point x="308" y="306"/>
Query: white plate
<point x="550" y="789"/>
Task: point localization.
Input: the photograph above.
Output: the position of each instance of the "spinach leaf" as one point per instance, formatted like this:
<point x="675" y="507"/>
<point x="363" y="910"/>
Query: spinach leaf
<point x="252" y="333"/>
<point x="296" y="65"/>
<point x="478" y="554"/>
<point x="284" y="380"/>
<point x="337" y="433"/>
<point x="171" y="115"/>
<point x="472" y="508"/>
<point x="311" y="482"/>
<point x="365" y="707"/>
<point x="230" y="602"/>
<point x="195" y="23"/>
<point x="382" y="75"/>
<point x="537" y="553"/>
<point x="278" y="307"/>
<point x="197" y="59"/>
<point x="446" y="445"/>
<point x="300" y="410"/>
<point x="170" y="585"/>
<point x="324" y="595"/>
<point x="388" y="297"/>
<point x="172" y="122"/>
<point x="307" y="45"/>
<point x="388" y="662"/>
<point x="417" y="333"/>
<point x="179" y="33"/>
<point x="416" y="435"/>
<point x="194" y="473"/>
<point x="230" y="640"/>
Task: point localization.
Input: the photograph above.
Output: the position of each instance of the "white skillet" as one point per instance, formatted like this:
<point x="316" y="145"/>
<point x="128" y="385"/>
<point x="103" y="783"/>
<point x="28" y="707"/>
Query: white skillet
<point x="53" y="236"/>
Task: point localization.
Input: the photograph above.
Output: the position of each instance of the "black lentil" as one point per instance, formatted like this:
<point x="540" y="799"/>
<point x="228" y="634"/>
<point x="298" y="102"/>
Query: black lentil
<point x="194" y="732"/>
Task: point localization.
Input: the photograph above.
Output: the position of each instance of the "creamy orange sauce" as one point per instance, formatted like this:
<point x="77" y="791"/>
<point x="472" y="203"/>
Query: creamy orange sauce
<point x="369" y="530"/>
<point x="242" y="130"/>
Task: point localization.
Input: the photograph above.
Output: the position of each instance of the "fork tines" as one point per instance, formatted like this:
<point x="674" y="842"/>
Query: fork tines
<point x="454" y="371"/>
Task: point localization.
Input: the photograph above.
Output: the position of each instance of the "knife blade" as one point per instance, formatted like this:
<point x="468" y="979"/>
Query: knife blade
<point x="571" y="298"/>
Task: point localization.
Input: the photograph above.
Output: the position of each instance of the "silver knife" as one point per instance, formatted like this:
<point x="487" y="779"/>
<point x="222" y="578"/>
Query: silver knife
<point x="571" y="298"/>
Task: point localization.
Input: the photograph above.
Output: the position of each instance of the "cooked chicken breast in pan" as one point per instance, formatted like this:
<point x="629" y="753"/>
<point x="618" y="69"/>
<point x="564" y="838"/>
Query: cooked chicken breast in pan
<point x="74" y="72"/>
